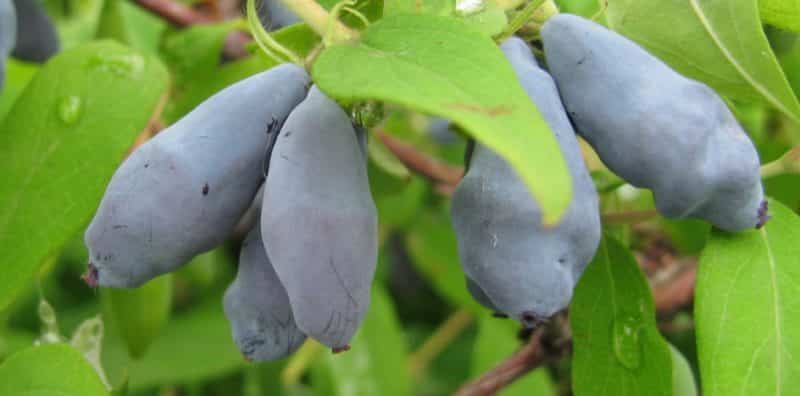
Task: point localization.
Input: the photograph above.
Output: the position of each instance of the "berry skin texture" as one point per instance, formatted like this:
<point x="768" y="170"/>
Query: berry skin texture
<point x="527" y="271"/>
<point x="182" y="193"/>
<point x="258" y="308"/>
<point x="655" y="128"/>
<point x="37" y="39"/>
<point x="319" y="221"/>
<point x="8" y="34"/>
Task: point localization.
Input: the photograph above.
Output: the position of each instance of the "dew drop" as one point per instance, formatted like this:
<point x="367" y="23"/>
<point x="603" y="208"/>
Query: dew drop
<point x="122" y="65"/>
<point x="70" y="109"/>
<point x="625" y="342"/>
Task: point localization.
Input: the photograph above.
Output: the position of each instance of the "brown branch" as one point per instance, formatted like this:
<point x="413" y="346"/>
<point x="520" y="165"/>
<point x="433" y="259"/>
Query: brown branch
<point x="520" y="363"/>
<point x="174" y="12"/>
<point x="421" y="163"/>
<point x="674" y="295"/>
<point x="183" y="16"/>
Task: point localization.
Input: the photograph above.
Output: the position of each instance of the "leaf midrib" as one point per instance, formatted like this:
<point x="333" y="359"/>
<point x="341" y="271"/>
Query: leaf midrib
<point x="777" y="312"/>
<point x="739" y="68"/>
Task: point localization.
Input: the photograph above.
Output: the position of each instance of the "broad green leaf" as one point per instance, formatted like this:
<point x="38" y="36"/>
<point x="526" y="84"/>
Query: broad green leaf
<point x="376" y="364"/>
<point x="194" y="54"/>
<point x="586" y="8"/>
<point x="12" y="341"/>
<point x="496" y="341"/>
<point x="52" y="369"/>
<point x="131" y="25"/>
<point x="720" y="43"/>
<point x="112" y="22"/>
<point x="434" y="253"/>
<point x="76" y="20"/>
<point x="139" y="314"/>
<point x="617" y="349"/>
<point x="784" y="14"/>
<point x="746" y="302"/>
<point x="683" y="381"/>
<point x="195" y="345"/>
<point x="18" y="75"/>
<point x="60" y="144"/>
<point x="490" y="20"/>
<point x="441" y="66"/>
<point x="790" y="62"/>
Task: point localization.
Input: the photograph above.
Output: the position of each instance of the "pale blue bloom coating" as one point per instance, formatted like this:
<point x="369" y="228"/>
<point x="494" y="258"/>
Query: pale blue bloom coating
<point x="654" y="127"/>
<point x="526" y="270"/>
<point x="319" y="221"/>
<point x="182" y="193"/>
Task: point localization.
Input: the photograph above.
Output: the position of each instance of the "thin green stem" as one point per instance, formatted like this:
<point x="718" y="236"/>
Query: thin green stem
<point x="319" y="20"/>
<point x="357" y="14"/>
<point x="268" y="44"/>
<point x="519" y="20"/>
<point x="300" y="361"/>
<point x="789" y="163"/>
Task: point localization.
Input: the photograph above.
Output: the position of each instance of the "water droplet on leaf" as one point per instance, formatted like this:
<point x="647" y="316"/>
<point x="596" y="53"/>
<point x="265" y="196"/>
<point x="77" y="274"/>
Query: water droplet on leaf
<point x="70" y="109"/>
<point x="122" y="65"/>
<point x="625" y="342"/>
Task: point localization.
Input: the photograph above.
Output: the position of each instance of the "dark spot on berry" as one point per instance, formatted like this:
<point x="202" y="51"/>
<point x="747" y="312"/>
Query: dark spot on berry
<point x="499" y="315"/>
<point x="205" y="189"/>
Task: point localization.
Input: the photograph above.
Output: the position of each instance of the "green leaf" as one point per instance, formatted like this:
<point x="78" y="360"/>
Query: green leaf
<point x="720" y="43"/>
<point x="496" y="341"/>
<point x="112" y="22"/>
<point x="76" y="21"/>
<point x="491" y="20"/>
<point x="683" y="381"/>
<point x="784" y="14"/>
<point x="193" y="346"/>
<point x="441" y="66"/>
<point x="790" y="62"/>
<point x="433" y="7"/>
<point x="617" y="347"/>
<point x="376" y="364"/>
<point x="131" y="25"/>
<point x="18" y="75"/>
<point x="586" y="8"/>
<point x="61" y="142"/>
<point x="433" y="249"/>
<point x="140" y="314"/>
<point x="746" y="299"/>
<point x="193" y="56"/>
<point x="52" y="369"/>
<point x="12" y="341"/>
